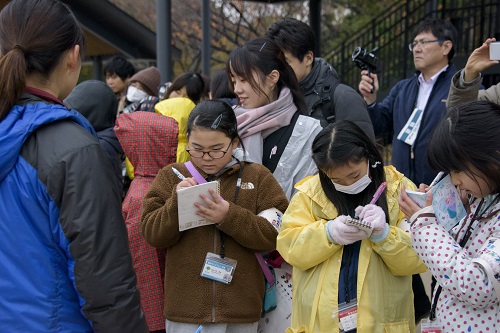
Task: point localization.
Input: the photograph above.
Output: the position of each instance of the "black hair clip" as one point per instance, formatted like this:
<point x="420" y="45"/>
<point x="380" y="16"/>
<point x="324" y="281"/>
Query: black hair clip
<point x="216" y="122"/>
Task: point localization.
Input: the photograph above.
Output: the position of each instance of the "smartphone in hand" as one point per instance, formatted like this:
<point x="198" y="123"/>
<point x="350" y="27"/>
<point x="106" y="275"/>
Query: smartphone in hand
<point x="495" y="51"/>
<point x="418" y="197"/>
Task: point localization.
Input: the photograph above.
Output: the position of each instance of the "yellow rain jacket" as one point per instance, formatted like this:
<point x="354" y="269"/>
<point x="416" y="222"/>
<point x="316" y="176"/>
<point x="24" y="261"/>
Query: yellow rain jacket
<point x="178" y="108"/>
<point x="384" y="292"/>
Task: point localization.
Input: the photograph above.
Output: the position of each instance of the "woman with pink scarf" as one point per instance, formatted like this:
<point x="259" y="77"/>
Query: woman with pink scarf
<point x="271" y="112"/>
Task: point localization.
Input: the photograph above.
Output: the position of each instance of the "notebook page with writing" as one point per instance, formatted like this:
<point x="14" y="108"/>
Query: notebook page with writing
<point x="186" y="198"/>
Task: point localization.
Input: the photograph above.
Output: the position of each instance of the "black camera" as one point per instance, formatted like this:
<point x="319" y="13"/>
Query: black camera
<point x="365" y="59"/>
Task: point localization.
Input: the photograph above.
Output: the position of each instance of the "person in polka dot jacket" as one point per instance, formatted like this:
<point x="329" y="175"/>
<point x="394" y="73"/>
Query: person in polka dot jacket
<point x="466" y="261"/>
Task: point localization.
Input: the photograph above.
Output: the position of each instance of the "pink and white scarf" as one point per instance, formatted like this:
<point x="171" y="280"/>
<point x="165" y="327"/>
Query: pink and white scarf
<point x="254" y="125"/>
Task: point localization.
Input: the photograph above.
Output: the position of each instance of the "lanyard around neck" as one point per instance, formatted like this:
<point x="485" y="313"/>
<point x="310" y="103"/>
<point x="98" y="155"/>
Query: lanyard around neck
<point x="199" y="178"/>
<point x="478" y="215"/>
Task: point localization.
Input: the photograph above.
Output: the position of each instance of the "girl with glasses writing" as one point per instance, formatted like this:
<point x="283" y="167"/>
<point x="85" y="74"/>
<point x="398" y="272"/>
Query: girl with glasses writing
<point x="250" y="198"/>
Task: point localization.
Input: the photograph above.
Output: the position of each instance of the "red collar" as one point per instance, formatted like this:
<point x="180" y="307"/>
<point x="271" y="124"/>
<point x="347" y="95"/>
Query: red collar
<point x="44" y="95"/>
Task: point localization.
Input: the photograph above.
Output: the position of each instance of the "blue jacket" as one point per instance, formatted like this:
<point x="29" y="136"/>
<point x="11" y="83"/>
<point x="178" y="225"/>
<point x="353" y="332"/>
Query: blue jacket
<point x="393" y="113"/>
<point x="64" y="254"/>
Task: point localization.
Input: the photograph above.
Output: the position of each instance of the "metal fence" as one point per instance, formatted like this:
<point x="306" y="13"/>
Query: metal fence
<point x="392" y="32"/>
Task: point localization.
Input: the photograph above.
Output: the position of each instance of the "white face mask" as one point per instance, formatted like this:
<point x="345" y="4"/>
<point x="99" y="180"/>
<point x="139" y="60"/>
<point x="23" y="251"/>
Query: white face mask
<point x="135" y="95"/>
<point x="356" y="187"/>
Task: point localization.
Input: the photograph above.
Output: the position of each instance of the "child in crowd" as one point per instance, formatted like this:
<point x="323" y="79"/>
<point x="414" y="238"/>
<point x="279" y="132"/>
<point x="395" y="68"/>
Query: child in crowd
<point x="466" y="261"/>
<point x="181" y="97"/>
<point x="247" y="190"/>
<point x="142" y="93"/>
<point x="118" y="72"/>
<point x="271" y="112"/>
<point x="339" y="268"/>
<point x="150" y="142"/>
<point x="189" y="85"/>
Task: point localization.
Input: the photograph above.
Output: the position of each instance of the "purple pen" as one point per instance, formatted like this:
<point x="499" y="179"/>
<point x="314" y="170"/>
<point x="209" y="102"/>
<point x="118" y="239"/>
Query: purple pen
<point x="378" y="193"/>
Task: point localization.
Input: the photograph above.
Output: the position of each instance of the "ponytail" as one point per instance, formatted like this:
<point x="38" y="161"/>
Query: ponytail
<point x="13" y="69"/>
<point x="34" y="36"/>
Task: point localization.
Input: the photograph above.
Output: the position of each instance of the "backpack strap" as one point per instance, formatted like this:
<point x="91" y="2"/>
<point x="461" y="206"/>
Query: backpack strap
<point x="265" y="269"/>
<point x="325" y="93"/>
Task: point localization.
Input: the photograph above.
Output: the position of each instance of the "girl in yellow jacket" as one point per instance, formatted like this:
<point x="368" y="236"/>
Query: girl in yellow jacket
<point x="346" y="278"/>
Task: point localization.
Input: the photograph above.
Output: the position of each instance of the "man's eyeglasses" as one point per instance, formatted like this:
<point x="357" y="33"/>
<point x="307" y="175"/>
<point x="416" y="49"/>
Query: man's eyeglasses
<point x="424" y="43"/>
<point x="212" y="153"/>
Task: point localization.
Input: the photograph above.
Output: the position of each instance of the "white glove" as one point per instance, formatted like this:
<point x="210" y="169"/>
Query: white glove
<point x="340" y="233"/>
<point x="375" y="216"/>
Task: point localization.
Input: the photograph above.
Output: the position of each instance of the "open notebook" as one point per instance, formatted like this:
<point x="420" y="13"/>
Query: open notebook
<point x="448" y="207"/>
<point x="186" y="198"/>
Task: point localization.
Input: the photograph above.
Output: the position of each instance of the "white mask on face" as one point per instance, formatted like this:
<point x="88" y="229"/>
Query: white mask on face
<point x="135" y="95"/>
<point x="356" y="187"/>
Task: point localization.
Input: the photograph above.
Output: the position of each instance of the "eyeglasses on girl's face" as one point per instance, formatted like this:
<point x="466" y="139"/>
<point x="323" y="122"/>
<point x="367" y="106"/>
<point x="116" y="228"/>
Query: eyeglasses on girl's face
<point x="212" y="153"/>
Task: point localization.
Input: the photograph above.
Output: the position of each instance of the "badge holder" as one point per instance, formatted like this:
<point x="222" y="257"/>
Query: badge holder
<point x="218" y="269"/>
<point x="408" y="133"/>
<point x="348" y="315"/>
<point x="428" y="326"/>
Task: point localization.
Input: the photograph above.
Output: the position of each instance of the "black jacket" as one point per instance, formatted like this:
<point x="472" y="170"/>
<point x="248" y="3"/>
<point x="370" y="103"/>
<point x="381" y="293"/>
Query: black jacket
<point x="97" y="102"/>
<point x="344" y="102"/>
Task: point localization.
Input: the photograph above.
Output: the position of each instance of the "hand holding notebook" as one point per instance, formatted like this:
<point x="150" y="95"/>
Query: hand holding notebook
<point x="186" y="199"/>
<point x="189" y="201"/>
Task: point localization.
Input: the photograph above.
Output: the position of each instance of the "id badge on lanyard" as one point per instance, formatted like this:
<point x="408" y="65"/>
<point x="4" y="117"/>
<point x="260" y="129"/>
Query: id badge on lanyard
<point x="218" y="269"/>
<point x="427" y="326"/>
<point x="410" y="130"/>
<point x="347" y="315"/>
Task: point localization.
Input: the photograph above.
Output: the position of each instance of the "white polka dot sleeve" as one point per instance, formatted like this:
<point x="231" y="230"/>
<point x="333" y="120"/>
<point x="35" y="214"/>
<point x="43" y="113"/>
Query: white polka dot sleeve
<point x="465" y="273"/>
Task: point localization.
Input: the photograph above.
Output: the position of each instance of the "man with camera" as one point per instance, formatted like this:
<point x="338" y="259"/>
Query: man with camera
<point x="415" y="104"/>
<point x="327" y="99"/>
<point x="413" y="108"/>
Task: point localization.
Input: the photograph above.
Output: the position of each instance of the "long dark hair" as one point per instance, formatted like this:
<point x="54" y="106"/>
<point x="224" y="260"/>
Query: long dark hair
<point x="214" y="115"/>
<point x="219" y="86"/>
<point x="339" y="144"/>
<point x="34" y="35"/>
<point x="194" y="83"/>
<point x="262" y="56"/>
<point x="469" y="138"/>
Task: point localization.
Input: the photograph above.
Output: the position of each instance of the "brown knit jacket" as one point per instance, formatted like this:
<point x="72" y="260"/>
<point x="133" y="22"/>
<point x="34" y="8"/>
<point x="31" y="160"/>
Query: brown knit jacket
<point x="189" y="297"/>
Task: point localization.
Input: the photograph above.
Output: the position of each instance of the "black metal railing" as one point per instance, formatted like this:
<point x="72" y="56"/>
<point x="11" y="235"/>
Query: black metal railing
<point x="391" y="32"/>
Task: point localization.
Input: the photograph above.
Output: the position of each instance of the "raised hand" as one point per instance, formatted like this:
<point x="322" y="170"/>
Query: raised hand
<point x="479" y="60"/>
